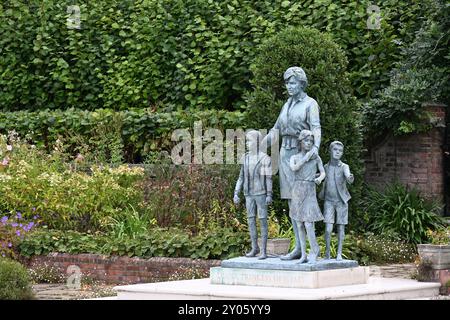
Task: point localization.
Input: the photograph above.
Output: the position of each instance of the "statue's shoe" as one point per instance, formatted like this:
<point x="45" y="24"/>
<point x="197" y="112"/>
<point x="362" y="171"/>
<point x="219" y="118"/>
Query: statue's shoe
<point x="303" y="259"/>
<point x="252" y="253"/>
<point x="262" y="256"/>
<point x="312" y="258"/>
<point x="291" y="256"/>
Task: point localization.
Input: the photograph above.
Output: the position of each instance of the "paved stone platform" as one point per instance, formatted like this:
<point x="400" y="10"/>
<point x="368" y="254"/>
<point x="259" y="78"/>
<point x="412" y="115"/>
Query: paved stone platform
<point x="273" y="263"/>
<point x="202" y="289"/>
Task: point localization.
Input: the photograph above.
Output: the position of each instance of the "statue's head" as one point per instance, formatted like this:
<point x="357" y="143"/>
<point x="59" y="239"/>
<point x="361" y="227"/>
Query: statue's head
<point x="253" y="139"/>
<point x="336" y="150"/>
<point x="295" y="80"/>
<point x="306" y="140"/>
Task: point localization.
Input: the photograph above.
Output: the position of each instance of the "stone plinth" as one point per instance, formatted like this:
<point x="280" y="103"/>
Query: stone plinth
<point x="291" y="265"/>
<point x="289" y="278"/>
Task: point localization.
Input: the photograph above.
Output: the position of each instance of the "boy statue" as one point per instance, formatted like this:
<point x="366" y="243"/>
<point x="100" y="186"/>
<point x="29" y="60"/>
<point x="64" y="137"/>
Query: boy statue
<point x="256" y="178"/>
<point x="336" y="196"/>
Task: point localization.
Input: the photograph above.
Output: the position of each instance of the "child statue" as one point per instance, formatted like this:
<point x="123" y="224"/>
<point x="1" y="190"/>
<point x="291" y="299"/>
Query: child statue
<point x="336" y="196"/>
<point x="304" y="209"/>
<point x="256" y="178"/>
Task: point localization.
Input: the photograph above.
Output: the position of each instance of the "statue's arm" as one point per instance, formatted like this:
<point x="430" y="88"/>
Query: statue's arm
<point x="239" y="182"/>
<point x="295" y="163"/>
<point x="348" y="175"/>
<point x="270" y="139"/>
<point x="268" y="174"/>
<point x="314" y="124"/>
<point x="322" y="175"/>
<point x="273" y="135"/>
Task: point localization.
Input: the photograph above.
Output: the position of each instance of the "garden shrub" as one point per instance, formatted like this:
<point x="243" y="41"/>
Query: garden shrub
<point x="37" y="183"/>
<point x="325" y="66"/>
<point x="400" y="212"/>
<point x="421" y="76"/>
<point x="194" y="196"/>
<point x="108" y="135"/>
<point x="176" y="54"/>
<point x="218" y="243"/>
<point x="15" y="282"/>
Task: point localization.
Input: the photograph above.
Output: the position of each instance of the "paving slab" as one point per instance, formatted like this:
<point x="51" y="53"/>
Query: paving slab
<point x="201" y="289"/>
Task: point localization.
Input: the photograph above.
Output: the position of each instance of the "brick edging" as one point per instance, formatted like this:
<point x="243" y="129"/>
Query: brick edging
<point x="120" y="270"/>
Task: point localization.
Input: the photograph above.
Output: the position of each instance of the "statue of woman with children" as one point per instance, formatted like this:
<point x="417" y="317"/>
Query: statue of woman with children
<point x="300" y="170"/>
<point x="300" y="112"/>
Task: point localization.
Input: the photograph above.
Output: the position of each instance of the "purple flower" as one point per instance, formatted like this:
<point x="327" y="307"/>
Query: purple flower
<point x="4" y="219"/>
<point x="35" y="217"/>
<point x="9" y="244"/>
<point x="14" y="224"/>
<point x="19" y="215"/>
<point x="18" y="233"/>
<point x="33" y="209"/>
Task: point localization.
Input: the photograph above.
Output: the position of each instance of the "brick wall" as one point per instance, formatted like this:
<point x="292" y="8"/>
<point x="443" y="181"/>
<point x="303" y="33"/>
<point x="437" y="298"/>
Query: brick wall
<point x="123" y="270"/>
<point x="413" y="159"/>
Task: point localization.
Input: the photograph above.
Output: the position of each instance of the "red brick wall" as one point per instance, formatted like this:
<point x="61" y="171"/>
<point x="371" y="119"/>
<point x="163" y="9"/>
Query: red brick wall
<point x="121" y="270"/>
<point x="413" y="159"/>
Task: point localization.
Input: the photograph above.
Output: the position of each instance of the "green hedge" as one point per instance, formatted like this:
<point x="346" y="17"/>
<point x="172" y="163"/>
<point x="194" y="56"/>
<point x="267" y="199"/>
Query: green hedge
<point x="140" y="130"/>
<point x="176" y="53"/>
<point x="421" y="76"/>
<point x="216" y="244"/>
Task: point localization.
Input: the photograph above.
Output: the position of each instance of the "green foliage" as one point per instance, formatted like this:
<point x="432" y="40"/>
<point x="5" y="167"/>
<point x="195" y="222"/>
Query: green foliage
<point x="219" y="243"/>
<point x="441" y="236"/>
<point x="196" y="196"/>
<point x="399" y="212"/>
<point x="108" y="135"/>
<point x="15" y="283"/>
<point x="421" y="76"/>
<point x="325" y="66"/>
<point x="175" y="54"/>
<point x="37" y="183"/>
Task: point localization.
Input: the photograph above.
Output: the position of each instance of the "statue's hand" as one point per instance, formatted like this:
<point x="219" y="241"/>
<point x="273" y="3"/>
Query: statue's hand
<point x="318" y="181"/>
<point x="350" y="178"/>
<point x="314" y="152"/>
<point x="268" y="200"/>
<point x="236" y="199"/>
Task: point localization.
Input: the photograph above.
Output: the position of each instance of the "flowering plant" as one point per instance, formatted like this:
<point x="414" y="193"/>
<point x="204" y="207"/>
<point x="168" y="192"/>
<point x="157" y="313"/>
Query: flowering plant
<point x="12" y="229"/>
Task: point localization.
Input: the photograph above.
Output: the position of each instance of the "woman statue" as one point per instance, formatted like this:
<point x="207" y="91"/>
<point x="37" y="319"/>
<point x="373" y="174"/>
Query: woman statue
<point x="300" y="112"/>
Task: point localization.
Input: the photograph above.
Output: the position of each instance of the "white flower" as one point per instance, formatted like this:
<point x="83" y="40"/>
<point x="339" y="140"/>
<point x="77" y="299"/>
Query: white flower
<point x="9" y="147"/>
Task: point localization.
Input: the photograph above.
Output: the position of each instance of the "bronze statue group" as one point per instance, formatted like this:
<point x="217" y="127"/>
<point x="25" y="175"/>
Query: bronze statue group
<point x="300" y="170"/>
